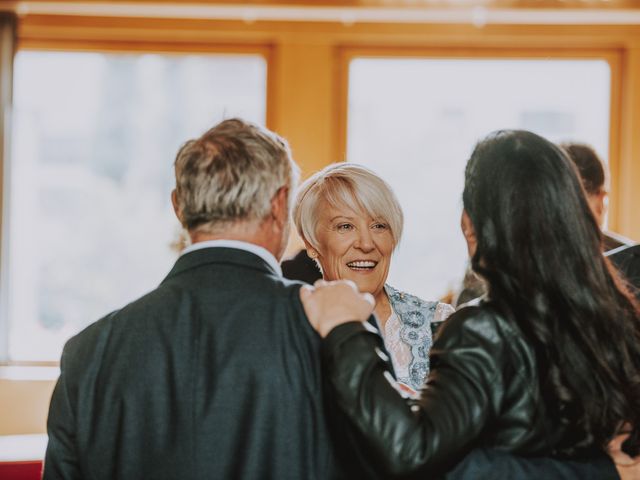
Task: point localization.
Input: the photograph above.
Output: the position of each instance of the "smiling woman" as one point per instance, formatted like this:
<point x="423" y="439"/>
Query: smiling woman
<point x="351" y="223"/>
<point x="354" y="246"/>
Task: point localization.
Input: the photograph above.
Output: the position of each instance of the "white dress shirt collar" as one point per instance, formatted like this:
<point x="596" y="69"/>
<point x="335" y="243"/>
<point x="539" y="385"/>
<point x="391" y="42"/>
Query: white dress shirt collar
<point x="261" y="252"/>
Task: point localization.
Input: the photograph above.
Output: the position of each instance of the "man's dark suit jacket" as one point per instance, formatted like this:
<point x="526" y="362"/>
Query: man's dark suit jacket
<point x="627" y="260"/>
<point x="216" y="375"/>
<point x="213" y="375"/>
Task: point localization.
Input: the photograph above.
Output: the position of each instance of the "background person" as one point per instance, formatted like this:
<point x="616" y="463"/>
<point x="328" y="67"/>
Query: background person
<point x="592" y="174"/>
<point x="624" y="253"/>
<point x="301" y="267"/>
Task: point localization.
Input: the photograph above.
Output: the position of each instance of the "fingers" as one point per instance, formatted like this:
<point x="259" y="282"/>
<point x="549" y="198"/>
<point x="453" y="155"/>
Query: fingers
<point x="324" y="283"/>
<point x="329" y="304"/>
<point x="352" y="284"/>
<point x="307" y="291"/>
<point x="369" y="298"/>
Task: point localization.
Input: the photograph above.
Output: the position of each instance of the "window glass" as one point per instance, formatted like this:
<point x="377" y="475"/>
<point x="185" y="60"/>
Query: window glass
<point x="416" y="121"/>
<point x="89" y="224"/>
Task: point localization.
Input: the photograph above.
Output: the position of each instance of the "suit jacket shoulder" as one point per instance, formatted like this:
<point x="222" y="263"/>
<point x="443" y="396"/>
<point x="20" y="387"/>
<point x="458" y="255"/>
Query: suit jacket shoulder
<point x="214" y="374"/>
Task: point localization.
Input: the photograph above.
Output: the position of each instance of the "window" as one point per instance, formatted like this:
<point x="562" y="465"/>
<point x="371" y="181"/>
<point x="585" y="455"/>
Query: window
<point x="89" y="225"/>
<point x="416" y="121"/>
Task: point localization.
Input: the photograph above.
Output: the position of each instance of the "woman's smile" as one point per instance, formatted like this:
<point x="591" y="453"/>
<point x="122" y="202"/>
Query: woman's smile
<point x="365" y="266"/>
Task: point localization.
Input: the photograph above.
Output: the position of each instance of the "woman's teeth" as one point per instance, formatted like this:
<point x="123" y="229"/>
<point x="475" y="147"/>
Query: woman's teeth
<point x="362" y="264"/>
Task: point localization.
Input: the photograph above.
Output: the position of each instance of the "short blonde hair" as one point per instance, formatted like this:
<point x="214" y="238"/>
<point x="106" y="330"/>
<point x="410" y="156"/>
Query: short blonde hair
<point x="230" y="174"/>
<point x="346" y="185"/>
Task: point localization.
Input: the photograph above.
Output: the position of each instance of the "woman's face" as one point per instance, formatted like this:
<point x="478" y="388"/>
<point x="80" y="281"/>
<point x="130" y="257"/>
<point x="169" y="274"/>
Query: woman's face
<point x="353" y="246"/>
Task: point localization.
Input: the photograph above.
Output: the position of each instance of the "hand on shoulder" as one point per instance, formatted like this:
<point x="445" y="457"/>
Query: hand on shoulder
<point x="329" y="304"/>
<point x="628" y="467"/>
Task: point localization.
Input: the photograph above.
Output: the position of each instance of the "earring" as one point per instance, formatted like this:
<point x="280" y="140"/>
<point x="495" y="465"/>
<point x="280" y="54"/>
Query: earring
<point x="312" y="254"/>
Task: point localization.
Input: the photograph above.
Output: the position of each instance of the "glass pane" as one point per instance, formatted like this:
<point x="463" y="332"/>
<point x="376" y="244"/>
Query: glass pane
<point x="416" y="121"/>
<point x="90" y="223"/>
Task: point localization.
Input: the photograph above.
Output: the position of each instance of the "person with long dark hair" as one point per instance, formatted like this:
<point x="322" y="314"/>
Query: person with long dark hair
<point x="547" y="365"/>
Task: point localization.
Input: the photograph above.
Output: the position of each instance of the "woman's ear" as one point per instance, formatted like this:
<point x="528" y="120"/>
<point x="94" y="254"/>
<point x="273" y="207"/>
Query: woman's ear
<point x="469" y="233"/>
<point x="597" y="204"/>
<point x="311" y="251"/>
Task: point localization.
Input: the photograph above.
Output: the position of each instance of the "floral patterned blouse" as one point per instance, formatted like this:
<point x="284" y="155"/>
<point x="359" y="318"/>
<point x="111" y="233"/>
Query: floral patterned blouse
<point x="407" y="335"/>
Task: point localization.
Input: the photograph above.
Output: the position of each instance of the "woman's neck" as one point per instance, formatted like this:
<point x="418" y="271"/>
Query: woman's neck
<point x="383" y="309"/>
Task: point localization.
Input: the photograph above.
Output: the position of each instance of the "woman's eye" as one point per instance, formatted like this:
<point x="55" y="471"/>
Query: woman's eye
<point x="380" y="226"/>
<point x="343" y="227"/>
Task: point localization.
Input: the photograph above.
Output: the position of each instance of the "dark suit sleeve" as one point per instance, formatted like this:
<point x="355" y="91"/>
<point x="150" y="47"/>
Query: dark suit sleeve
<point x="61" y="461"/>
<point x="487" y="464"/>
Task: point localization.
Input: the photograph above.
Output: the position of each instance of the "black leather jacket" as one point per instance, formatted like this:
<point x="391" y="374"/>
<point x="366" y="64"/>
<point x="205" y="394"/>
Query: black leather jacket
<point x="482" y="391"/>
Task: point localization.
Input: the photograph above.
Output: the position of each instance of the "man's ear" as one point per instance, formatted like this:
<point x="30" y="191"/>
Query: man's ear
<point x="280" y="206"/>
<point x="469" y="232"/>
<point x="176" y="207"/>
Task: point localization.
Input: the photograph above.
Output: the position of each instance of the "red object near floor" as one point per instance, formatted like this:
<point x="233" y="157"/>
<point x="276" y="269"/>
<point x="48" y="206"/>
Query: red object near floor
<point x="31" y="470"/>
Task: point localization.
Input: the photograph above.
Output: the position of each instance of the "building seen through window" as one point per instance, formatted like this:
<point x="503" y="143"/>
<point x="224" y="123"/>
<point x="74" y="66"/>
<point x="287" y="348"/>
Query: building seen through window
<point x="89" y="224"/>
<point x="415" y="122"/>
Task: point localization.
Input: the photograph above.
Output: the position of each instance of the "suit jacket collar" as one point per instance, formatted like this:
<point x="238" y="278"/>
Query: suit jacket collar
<point x="259" y="250"/>
<point x="220" y="255"/>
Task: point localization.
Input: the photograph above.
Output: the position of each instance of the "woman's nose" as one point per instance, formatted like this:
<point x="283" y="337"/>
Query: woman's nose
<point x="365" y="241"/>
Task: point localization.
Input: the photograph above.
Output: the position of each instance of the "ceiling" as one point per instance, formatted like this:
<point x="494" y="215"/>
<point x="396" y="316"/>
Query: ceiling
<point x="537" y="4"/>
<point x="478" y="12"/>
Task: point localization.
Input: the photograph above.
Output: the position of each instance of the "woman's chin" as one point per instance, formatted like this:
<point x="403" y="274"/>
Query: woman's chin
<point x="366" y="286"/>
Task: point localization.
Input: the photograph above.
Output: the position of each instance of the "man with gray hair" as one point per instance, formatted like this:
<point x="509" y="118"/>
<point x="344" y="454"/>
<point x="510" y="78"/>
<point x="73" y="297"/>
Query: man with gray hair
<point x="216" y="373"/>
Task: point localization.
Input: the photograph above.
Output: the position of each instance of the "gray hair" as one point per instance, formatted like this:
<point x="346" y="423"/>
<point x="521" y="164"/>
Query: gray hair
<point x="346" y="185"/>
<point x="230" y="174"/>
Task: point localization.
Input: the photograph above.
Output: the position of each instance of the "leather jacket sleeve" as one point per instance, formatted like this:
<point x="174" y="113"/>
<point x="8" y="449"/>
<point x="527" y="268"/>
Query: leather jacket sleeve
<point x="436" y="431"/>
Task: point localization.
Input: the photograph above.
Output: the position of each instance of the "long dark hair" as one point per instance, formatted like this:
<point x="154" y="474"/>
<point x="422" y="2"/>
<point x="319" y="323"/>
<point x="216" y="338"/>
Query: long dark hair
<point x="540" y="250"/>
